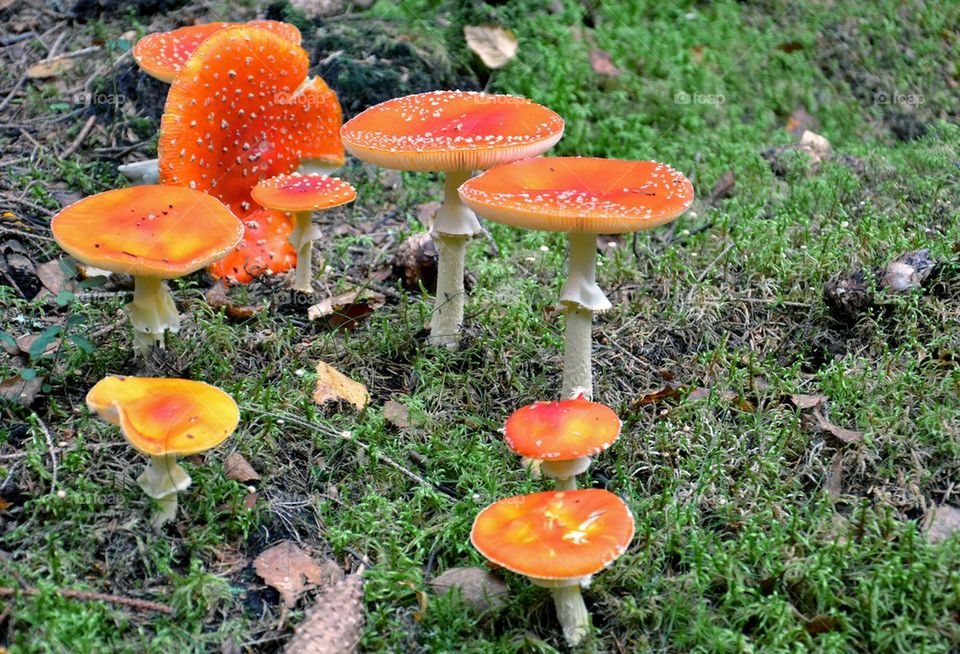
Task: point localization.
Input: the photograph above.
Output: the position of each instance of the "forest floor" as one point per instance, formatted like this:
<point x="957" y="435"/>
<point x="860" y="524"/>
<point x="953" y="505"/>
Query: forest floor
<point x="791" y="444"/>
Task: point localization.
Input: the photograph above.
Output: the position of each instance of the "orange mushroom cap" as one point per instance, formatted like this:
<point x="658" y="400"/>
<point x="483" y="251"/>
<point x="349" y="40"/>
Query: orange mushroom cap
<point x="579" y="194"/>
<point x="150" y="231"/>
<point x="560" y="431"/>
<point x="265" y="249"/>
<point x="449" y="131"/>
<point x="296" y="192"/>
<point x="162" y="54"/>
<point x="162" y="416"/>
<point x="556" y="534"/>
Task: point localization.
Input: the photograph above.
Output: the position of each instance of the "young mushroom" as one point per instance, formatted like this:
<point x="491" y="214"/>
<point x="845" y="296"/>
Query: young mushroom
<point x="163" y="419"/>
<point x="559" y="540"/>
<point x="454" y="133"/>
<point x="562" y="435"/>
<point x="302" y="195"/>
<point x="583" y="197"/>
<point x="153" y="233"/>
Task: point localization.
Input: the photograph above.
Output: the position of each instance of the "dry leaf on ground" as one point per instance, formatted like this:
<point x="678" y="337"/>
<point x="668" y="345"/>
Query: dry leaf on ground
<point x="51" y="68"/>
<point x="21" y="391"/>
<point x="802" y="401"/>
<point x="334" y="624"/>
<point x="848" y="436"/>
<point x="238" y="469"/>
<point x="347" y="307"/>
<point x="494" y="45"/>
<point x="334" y="386"/>
<point x="396" y="414"/>
<point x="481" y="590"/>
<point x="292" y="572"/>
<point x="602" y="63"/>
<point x="218" y="298"/>
<point x="945" y="521"/>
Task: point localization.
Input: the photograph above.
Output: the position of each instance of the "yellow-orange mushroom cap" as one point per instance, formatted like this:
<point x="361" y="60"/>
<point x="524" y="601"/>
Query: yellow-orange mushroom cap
<point x="163" y="54"/>
<point x="149" y="231"/>
<point x="560" y="431"/>
<point x="451" y="131"/>
<point x="309" y="192"/>
<point x="162" y="416"/>
<point x="556" y="534"/>
<point x="579" y="194"/>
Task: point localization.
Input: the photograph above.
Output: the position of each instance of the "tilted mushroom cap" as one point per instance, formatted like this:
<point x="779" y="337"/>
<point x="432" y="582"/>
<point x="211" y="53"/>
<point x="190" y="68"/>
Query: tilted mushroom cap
<point x="265" y="249"/>
<point x="554" y="535"/>
<point x="579" y="194"/>
<point x="449" y="131"/>
<point x="296" y="192"/>
<point x="161" y="416"/>
<point x="162" y="54"/>
<point x="560" y="431"/>
<point x="150" y="231"/>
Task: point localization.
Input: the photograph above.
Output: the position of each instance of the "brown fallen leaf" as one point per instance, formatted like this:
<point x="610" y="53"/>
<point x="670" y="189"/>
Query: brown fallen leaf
<point x="334" y="624"/>
<point x="292" y="572"/>
<point x="602" y="63"/>
<point x="416" y="262"/>
<point x="218" y="298"/>
<point x="821" y="623"/>
<point x="52" y="276"/>
<point x="668" y="392"/>
<point x="495" y="45"/>
<point x="21" y="391"/>
<point x="333" y="386"/>
<point x="347" y="307"/>
<point x="849" y="436"/>
<point x="802" y="401"/>
<point x="26" y="341"/>
<point x="238" y="469"/>
<point x="51" y="68"/>
<point x="249" y="501"/>
<point x="942" y="522"/>
<point x="427" y="212"/>
<point x="396" y="414"/>
<point x="908" y="271"/>
<point x="480" y="589"/>
<point x="723" y="188"/>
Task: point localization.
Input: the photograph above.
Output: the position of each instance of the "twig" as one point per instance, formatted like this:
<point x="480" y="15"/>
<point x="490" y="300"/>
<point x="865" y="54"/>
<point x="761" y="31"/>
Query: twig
<point x="88" y="596"/>
<point x="87" y="126"/>
<point x="13" y="92"/>
<point x="53" y="455"/>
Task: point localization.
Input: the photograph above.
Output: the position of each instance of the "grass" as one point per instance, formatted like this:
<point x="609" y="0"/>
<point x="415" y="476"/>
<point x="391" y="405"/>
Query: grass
<point x="742" y="544"/>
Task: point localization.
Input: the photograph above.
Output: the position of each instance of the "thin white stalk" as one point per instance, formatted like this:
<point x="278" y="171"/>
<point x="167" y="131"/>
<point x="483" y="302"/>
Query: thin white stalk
<point x="161" y="480"/>
<point x="152" y="313"/>
<point x="302" y="237"/>
<point x="564" y="473"/>
<point x="141" y="172"/>
<point x="571" y="613"/>
<point x="582" y="296"/>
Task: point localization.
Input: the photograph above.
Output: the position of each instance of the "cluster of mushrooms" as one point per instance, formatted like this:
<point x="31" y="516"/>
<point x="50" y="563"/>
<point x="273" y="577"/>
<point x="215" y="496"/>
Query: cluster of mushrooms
<point x="245" y="141"/>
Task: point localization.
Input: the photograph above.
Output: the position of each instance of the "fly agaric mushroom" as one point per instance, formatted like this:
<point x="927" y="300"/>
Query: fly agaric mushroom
<point x="302" y="195"/>
<point x="454" y="133"/>
<point x="265" y="250"/>
<point x="165" y="418"/>
<point x="562" y="435"/>
<point x="162" y="54"/>
<point x="559" y="540"/>
<point x="154" y="233"/>
<point x="242" y="110"/>
<point x="583" y="197"/>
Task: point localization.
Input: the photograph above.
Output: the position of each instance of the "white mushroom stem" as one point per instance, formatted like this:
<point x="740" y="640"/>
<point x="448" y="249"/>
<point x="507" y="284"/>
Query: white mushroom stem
<point x="152" y="313"/>
<point x="318" y="166"/>
<point x="141" y="172"/>
<point x="582" y="297"/>
<point x="302" y="237"/>
<point x="565" y="472"/>
<point x="571" y="611"/>
<point x="161" y="480"/>
<point x="454" y="225"/>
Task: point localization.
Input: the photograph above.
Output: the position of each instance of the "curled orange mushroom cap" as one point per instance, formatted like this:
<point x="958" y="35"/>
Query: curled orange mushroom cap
<point x="568" y="429"/>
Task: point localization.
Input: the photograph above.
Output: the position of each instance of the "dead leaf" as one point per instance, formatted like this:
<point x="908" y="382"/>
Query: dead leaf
<point x="249" y="501"/>
<point x="668" y="392"/>
<point x="292" y="572"/>
<point x="800" y="121"/>
<point x="416" y="262"/>
<point x="51" y="68"/>
<point x="818" y="146"/>
<point x="802" y="401"/>
<point x="821" y="623"/>
<point x="945" y="521"/>
<point x="396" y="414"/>
<point x="334" y="624"/>
<point x="348" y="307"/>
<point x="494" y="45"/>
<point x="908" y="271"/>
<point x="848" y="436"/>
<point x="723" y="188"/>
<point x="21" y="391"/>
<point x="602" y="63"/>
<point x="334" y="386"/>
<point x="51" y="275"/>
<point x="26" y="341"/>
<point x="481" y="590"/>
<point x="238" y="469"/>
<point x="427" y="213"/>
<point x="790" y="46"/>
<point x="218" y="298"/>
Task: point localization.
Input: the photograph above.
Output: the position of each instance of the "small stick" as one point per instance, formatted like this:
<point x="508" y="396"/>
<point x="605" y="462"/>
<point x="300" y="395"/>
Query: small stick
<point x="87" y="126"/>
<point x="53" y="455"/>
<point x="88" y="596"/>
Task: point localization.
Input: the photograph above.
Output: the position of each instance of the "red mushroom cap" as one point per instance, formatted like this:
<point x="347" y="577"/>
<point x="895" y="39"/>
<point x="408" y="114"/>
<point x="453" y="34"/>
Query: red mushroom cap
<point x="296" y="192"/>
<point x="579" y="194"/>
<point x="554" y="535"/>
<point x="560" y="431"/>
<point x="162" y="54"/>
<point x="265" y="249"/>
<point x="450" y="131"/>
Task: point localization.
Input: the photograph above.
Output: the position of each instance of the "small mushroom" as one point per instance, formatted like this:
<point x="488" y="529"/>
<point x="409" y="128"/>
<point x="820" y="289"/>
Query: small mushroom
<point x="153" y="233"/>
<point x="583" y="197"/>
<point x="454" y="133"/>
<point x="559" y="540"/>
<point x="165" y="418"/>
<point x="302" y="195"/>
<point x="562" y="435"/>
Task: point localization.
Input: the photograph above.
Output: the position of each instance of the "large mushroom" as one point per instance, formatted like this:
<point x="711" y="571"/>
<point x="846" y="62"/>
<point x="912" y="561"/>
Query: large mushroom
<point x="154" y="233"/>
<point x="559" y="540"/>
<point x="165" y="418"/>
<point x="583" y="197"/>
<point x="454" y="133"/>
<point x="242" y="110"/>
<point x="162" y="54"/>
<point x="301" y="195"/>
